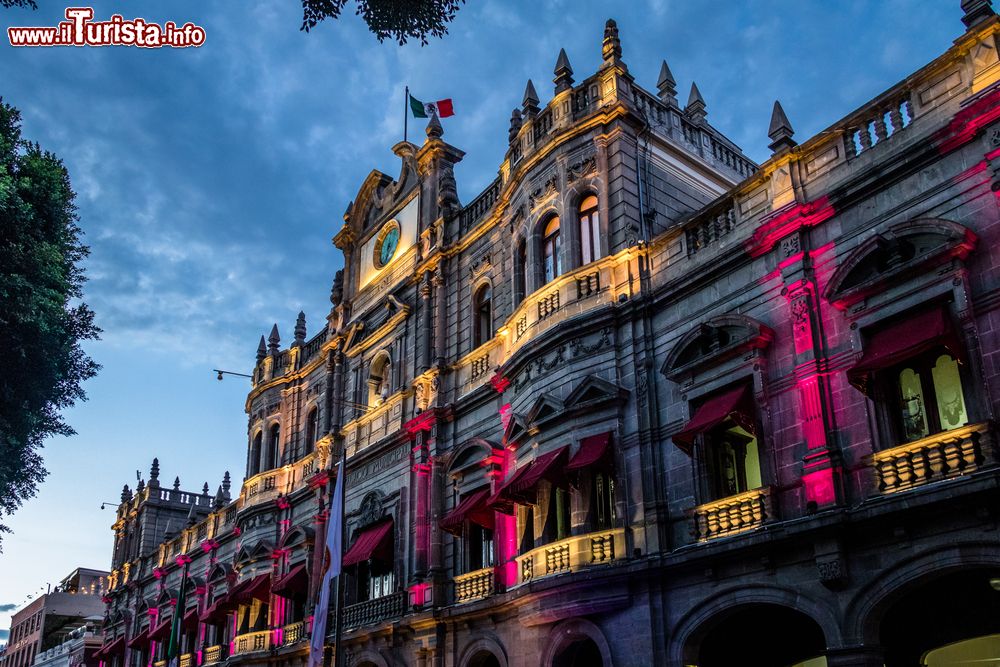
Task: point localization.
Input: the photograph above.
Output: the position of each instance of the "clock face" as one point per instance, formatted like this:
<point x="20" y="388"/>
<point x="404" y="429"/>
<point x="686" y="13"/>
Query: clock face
<point x="387" y="243"/>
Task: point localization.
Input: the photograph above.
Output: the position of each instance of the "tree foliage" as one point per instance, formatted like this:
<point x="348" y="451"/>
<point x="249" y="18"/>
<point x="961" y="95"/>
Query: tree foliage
<point x="42" y="320"/>
<point x="18" y="3"/>
<point x="397" y="19"/>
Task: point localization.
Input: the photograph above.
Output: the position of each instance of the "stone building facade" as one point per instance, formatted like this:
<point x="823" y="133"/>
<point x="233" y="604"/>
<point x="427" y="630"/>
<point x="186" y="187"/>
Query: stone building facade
<point x="641" y="401"/>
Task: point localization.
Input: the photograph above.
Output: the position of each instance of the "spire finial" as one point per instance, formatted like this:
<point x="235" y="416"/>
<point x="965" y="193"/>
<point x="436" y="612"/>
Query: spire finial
<point x="154" y="470"/>
<point x="226" y="483"/>
<point x="976" y="11"/>
<point x="192" y="517"/>
<point x="219" y="500"/>
<point x="515" y="125"/>
<point x="611" y="48"/>
<point x="530" y="101"/>
<point x="177" y="483"/>
<point x="204" y="489"/>
<point x="563" y="72"/>
<point x="261" y="350"/>
<point x="273" y="340"/>
<point x="300" y="330"/>
<point x="139" y="487"/>
<point x="126" y="494"/>
<point x="666" y="85"/>
<point x="695" y="108"/>
<point x="434" y="129"/>
<point x="780" y="130"/>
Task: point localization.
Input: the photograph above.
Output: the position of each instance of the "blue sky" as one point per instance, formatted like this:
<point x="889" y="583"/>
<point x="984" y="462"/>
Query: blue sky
<point x="211" y="180"/>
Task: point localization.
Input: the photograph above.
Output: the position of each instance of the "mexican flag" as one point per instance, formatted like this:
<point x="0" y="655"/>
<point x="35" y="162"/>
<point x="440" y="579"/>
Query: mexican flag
<point x="441" y="108"/>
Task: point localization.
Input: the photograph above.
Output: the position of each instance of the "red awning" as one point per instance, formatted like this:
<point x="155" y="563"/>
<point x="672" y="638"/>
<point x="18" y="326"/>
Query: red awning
<point x="735" y="403"/>
<point x="161" y="631"/>
<point x="520" y="488"/>
<point x="374" y="542"/>
<point x="472" y="508"/>
<point x="256" y="588"/>
<point x="902" y="340"/>
<point x="294" y="584"/>
<point x="116" y="647"/>
<point x="141" y="640"/>
<point x="593" y="449"/>
<point x="190" y="620"/>
<point x="499" y="501"/>
<point x="217" y="610"/>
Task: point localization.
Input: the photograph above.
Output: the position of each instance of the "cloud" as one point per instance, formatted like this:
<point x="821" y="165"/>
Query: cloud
<point x="7" y="607"/>
<point x="4" y="634"/>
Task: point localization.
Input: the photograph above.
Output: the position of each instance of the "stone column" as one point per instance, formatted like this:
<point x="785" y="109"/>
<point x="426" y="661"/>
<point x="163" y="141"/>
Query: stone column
<point x="425" y="322"/>
<point x="440" y="303"/>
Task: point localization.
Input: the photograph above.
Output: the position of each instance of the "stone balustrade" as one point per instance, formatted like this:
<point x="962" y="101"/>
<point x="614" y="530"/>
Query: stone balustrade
<point x="214" y="654"/>
<point x="186" y="660"/>
<point x="571" y="554"/>
<point x="293" y="633"/>
<point x="475" y="585"/>
<point x="252" y="642"/>
<point x="941" y="456"/>
<point x="375" y="611"/>
<point x="732" y="515"/>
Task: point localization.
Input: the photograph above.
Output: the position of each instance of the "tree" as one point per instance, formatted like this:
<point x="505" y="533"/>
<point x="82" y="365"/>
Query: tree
<point x="18" y="3"/>
<point x="398" y="19"/>
<point x="42" y="320"/>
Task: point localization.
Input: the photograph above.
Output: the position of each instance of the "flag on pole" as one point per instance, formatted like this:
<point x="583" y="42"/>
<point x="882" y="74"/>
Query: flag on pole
<point x="174" y="645"/>
<point x="334" y="555"/>
<point x="441" y="108"/>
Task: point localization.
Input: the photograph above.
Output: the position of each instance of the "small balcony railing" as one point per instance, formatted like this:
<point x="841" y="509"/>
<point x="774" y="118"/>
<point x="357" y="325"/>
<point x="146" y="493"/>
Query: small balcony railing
<point x="475" y="585"/>
<point x="253" y="642"/>
<point x="160" y="663"/>
<point x="374" y="611"/>
<point x="732" y="515"/>
<point x="187" y="660"/>
<point x="214" y="654"/>
<point x="571" y="554"/>
<point x="293" y="633"/>
<point x="941" y="456"/>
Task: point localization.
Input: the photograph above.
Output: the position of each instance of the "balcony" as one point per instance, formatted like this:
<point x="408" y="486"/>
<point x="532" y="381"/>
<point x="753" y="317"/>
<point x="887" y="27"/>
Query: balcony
<point x="475" y="585"/>
<point x="732" y="515"/>
<point x="160" y="663"/>
<point x="187" y="660"/>
<point x="374" y="611"/>
<point x="571" y="554"/>
<point x="268" y="485"/>
<point x="941" y="456"/>
<point x="214" y="654"/>
<point x="293" y="633"/>
<point x="252" y="642"/>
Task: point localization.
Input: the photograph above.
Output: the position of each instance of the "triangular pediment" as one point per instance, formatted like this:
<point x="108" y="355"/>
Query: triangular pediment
<point x="544" y="408"/>
<point x="516" y="429"/>
<point x="594" y="391"/>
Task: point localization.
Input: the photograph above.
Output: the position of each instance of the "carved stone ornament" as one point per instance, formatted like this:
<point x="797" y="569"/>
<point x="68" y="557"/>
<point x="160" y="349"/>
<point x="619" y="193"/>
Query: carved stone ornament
<point x="371" y="508"/>
<point x="542" y="193"/>
<point x="584" y="167"/>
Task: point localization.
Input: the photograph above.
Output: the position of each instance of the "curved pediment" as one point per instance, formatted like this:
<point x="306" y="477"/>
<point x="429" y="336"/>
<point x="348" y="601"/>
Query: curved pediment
<point x="166" y="596"/>
<point x="892" y="256"/>
<point x="470" y="454"/>
<point x="296" y="536"/>
<point x="714" y="342"/>
<point x="219" y="573"/>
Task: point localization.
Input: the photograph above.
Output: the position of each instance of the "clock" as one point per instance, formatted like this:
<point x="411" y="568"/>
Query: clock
<point x="386" y="244"/>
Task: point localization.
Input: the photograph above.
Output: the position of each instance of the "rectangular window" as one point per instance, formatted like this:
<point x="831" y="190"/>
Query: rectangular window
<point x="732" y="462"/>
<point x="526" y="527"/>
<point x="927" y="395"/>
<point x="562" y="509"/>
<point x="604" y="501"/>
<point x="480" y="547"/>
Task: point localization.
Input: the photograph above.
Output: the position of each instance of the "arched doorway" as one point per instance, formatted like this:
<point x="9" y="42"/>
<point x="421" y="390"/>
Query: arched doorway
<point x="582" y="652"/>
<point x="950" y="615"/>
<point x="760" y="634"/>
<point x="484" y="659"/>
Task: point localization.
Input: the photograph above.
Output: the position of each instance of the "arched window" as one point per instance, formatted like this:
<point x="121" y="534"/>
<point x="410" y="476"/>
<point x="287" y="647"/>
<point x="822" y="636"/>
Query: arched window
<point x="379" y="380"/>
<point x="482" y="315"/>
<point x="590" y="230"/>
<point x="273" y="440"/>
<point x="550" y="250"/>
<point x="312" y="430"/>
<point x="254" y="458"/>
<point x="520" y="272"/>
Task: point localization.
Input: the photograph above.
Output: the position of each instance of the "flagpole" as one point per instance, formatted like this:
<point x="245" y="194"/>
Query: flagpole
<point x="406" y="111"/>
<point x="337" y="652"/>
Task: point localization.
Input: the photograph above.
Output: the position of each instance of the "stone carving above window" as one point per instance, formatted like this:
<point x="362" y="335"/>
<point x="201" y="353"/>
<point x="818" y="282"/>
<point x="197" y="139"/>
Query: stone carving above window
<point x="371" y="508"/>
<point x="895" y="255"/>
<point x="713" y="342"/>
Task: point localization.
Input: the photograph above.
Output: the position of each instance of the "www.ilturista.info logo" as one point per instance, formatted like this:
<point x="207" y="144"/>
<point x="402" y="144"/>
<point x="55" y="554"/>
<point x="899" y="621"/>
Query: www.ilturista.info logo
<point x="81" y="30"/>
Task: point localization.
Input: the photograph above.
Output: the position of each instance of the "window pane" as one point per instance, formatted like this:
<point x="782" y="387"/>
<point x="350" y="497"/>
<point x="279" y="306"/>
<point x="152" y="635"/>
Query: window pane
<point x="948" y="388"/>
<point x="913" y="404"/>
